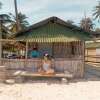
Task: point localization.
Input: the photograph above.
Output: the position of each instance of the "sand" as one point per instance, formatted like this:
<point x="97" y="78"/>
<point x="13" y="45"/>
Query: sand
<point x="52" y="90"/>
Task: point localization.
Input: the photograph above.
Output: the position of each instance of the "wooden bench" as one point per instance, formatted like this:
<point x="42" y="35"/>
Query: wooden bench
<point x="20" y="76"/>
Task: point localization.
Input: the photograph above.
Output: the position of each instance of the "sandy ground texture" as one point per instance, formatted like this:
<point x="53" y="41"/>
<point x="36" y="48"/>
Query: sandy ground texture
<point x="47" y="90"/>
<point x="80" y="89"/>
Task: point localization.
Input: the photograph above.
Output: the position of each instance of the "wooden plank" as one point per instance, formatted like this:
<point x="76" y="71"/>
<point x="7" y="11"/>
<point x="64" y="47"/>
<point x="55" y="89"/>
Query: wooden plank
<point x="59" y="75"/>
<point x="92" y="61"/>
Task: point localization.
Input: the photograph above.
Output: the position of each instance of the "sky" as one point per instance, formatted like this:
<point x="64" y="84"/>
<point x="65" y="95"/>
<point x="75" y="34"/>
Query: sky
<point x="37" y="10"/>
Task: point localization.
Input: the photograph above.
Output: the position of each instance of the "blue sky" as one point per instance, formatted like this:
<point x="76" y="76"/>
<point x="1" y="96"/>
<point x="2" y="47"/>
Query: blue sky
<point x="37" y="10"/>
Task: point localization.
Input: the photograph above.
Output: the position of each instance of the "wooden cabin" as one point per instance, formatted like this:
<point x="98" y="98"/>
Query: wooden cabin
<point x="65" y="43"/>
<point x="93" y="52"/>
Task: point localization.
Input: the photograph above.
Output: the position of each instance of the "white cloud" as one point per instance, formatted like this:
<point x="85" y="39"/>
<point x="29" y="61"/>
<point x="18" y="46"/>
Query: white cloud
<point x="33" y="6"/>
<point x="37" y="10"/>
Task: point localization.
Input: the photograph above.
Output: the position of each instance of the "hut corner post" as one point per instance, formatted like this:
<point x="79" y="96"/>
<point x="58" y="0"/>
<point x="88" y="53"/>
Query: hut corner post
<point x="83" y="59"/>
<point x="0" y="43"/>
<point x="26" y="53"/>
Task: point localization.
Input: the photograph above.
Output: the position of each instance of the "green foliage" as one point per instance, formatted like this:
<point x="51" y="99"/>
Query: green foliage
<point x="96" y="11"/>
<point x="5" y="18"/>
<point x="86" y="24"/>
<point x="22" y="19"/>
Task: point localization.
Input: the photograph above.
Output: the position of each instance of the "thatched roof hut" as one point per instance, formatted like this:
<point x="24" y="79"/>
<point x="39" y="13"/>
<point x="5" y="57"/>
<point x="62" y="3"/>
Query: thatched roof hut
<point x="63" y="41"/>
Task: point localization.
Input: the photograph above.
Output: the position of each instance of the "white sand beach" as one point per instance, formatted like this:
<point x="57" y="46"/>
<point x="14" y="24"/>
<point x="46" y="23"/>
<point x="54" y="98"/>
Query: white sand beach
<point x="52" y="90"/>
<point x="87" y="88"/>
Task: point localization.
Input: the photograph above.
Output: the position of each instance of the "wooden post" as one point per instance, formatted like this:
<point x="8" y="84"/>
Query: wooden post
<point x="0" y="42"/>
<point x="26" y="54"/>
<point x="83" y="59"/>
<point x="87" y="55"/>
<point x="53" y="49"/>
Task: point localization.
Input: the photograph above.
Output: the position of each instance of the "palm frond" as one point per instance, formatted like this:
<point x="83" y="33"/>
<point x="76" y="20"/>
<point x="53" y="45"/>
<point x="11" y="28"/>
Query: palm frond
<point x="96" y="11"/>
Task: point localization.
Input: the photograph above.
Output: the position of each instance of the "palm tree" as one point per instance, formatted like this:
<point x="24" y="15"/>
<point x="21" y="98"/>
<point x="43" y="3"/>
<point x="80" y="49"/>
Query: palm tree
<point x="4" y="18"/>
<point x="19" y="20"/>
<point x="22" y="20"/>
<point x="16" y="18"/>
<point x="4" y="30"/>
<point x="86" y="24"/>
<point x="96" y="13"/>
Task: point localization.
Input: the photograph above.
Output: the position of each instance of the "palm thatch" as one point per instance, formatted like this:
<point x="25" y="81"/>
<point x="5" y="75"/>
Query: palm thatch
<point x="52" y="29"/>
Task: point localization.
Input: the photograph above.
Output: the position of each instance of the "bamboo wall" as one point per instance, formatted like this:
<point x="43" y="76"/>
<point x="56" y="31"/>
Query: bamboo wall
<point x="75" y="66"/>
<point x="89" y="54"/>
<point x="67" y="56"/>
<point x="60" y="49"/>
<point x="92" y="56"/>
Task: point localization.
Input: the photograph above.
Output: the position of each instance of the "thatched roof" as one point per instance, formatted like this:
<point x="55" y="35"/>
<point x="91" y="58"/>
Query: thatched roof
<point x="51" y="30"/>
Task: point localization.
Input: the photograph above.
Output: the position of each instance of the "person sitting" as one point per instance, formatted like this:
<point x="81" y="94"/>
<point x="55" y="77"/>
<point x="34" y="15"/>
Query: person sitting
<point x="47" y="65"/>
<point x="34" y="53"/>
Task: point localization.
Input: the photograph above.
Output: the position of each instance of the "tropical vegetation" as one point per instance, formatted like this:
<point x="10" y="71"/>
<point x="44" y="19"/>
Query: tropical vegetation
<point x="86" y="24"/>
<point x="96" y="12"/>
<point x="23" y="23"/>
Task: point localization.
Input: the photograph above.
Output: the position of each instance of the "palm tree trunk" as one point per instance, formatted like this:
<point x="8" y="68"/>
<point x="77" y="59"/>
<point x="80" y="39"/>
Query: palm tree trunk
<point x="0" y="42"/>
<point x="17" y="19"/>
<point x="0" y="36"/>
